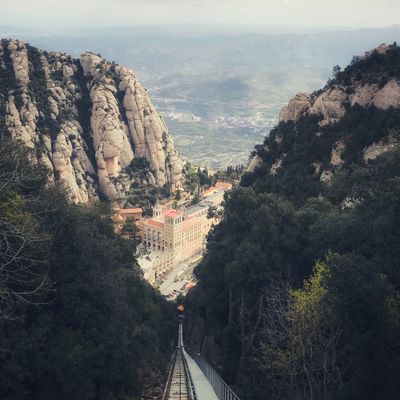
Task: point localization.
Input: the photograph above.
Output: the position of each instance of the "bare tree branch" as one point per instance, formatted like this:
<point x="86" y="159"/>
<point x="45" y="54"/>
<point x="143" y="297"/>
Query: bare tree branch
<point x="23" y="274"/>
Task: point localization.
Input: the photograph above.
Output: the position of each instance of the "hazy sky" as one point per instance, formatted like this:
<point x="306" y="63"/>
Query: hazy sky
<point x="90" y="13"/>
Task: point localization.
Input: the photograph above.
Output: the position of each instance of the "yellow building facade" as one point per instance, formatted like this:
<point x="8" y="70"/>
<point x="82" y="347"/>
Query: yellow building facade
<point x="171" y="237"/>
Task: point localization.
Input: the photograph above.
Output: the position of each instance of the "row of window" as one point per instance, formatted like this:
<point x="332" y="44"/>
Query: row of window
<point x="175" y="221"/>
<point x="154" y="246"/>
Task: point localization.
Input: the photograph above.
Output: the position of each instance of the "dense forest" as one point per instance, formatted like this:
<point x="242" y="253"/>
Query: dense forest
<point x="299" y="291"/>
<point x="77" y="321"/>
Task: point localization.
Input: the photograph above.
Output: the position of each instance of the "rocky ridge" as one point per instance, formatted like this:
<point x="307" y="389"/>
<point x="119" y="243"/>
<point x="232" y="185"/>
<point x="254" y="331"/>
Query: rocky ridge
<point x="371" y="82"/>
<point x="90" y="121"/>
<point x="352" y="121"/>
<point x="330" y="103"/>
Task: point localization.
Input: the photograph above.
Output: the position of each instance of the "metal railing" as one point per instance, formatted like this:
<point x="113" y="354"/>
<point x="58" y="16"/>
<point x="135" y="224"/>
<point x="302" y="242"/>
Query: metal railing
<point x="222" y="390"/>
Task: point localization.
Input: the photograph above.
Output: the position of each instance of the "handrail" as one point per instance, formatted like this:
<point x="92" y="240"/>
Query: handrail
<point x="221" y="388"/>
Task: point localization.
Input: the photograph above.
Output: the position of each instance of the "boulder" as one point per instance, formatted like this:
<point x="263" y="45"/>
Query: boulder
<point x="19" y="58"/>
<point x="388" y="96"/>
<point x="330" y="105"/>
<point x="297" y="107"/>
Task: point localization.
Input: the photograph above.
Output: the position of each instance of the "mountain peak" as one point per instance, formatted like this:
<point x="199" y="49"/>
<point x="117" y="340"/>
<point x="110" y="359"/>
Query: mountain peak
<point x="381" y="49"/>
<point x="372" y="79"/>
<point x="90" y="121"/>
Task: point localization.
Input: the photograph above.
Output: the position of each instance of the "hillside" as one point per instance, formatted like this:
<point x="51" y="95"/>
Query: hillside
<point x="352" y="120"/>
<point x="77" y="319"/>
<point x="298" y="294"/>
<point x="90" y="122"/>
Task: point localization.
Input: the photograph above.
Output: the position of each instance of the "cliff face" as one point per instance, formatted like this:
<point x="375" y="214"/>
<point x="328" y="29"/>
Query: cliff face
<point x="90" y="121"/>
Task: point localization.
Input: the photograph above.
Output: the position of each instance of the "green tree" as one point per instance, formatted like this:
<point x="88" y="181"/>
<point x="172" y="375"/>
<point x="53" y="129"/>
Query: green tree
<point x="298" y="348"/>
<point x="97" y="331"/>
<point x="336" y="71"/>
<point x="129" y="228"/>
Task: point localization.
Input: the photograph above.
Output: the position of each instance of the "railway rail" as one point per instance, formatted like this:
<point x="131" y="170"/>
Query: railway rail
<point x="192" y="378"/>
<point x="179" y="385"/>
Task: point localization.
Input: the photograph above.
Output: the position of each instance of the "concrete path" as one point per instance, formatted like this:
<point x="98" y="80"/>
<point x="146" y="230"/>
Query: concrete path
<point x="202" y="387"/>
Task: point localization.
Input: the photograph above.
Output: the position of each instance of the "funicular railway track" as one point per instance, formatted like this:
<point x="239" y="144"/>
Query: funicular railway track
<point x="180" y="388"/>
<point x="192" y="378"/>
<point x="179" y="385"/>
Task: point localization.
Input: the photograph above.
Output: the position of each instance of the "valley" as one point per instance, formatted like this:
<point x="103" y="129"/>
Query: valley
<point x="220" y="90"/>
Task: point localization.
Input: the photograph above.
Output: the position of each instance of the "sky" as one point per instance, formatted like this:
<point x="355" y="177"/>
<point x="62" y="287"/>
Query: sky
<point x="56" y="14"/>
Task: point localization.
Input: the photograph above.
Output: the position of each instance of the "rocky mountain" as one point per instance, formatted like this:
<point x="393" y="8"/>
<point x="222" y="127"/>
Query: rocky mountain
<point x="330" y="103"/>
<point x="207" y="93"/>
<point x="347" y="121"/>
<point x="90" y="121"/>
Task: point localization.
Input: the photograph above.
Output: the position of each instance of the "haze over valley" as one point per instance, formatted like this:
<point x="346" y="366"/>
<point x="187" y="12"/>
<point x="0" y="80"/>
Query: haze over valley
<point x="219" y="88"/>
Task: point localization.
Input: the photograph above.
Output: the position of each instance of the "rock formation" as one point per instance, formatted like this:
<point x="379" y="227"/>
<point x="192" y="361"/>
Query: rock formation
<point x="89" y="120"/>
<point x="330" y="103"/>
<point x="297" y="107"/>
<point x="383" y="146"/>
<point x="353" y="120"/>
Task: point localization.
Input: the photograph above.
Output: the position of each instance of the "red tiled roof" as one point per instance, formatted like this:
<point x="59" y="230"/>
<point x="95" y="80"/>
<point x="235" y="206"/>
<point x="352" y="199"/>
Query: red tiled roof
<point x="172" y="213"/>
<point x="209" y="191"/>
<point x="117" y="218"/>
<point x="130" y="211"/>
<point x="190" y="285"/>
<point x="156" y="224"/>
<point x="223" y="185"/>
